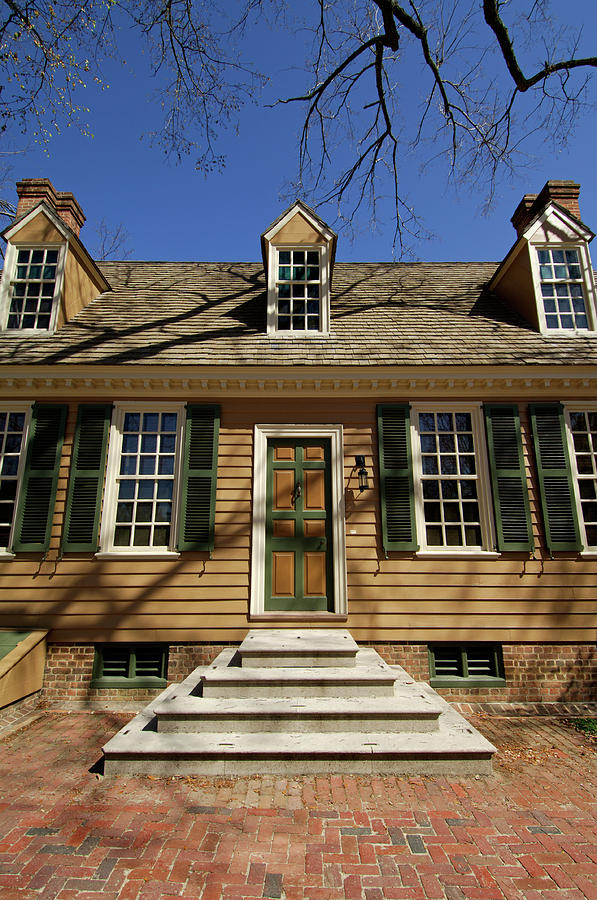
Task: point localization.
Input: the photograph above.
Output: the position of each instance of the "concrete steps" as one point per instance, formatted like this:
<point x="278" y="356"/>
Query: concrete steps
<point x="243" y="716"/>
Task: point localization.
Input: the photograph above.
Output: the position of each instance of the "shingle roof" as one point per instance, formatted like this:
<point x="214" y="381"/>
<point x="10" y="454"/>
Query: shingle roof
<point x="214" y="314"/>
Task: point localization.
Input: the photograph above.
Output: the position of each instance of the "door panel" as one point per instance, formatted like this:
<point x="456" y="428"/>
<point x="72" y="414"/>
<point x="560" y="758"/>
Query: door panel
<point x="315" y="490"/>
<point x="284" y="481"/>
<point x="298" y="574"/>
<point x="314" y="574"/>
<point x="283" y="573"/>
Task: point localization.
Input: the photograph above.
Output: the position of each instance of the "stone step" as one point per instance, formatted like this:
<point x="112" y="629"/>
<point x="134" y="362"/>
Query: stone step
<point x="456" y="748"/>
<point x="370" y="677"/>
<point x="298" y="647"/>
<point x="404" y="711"/>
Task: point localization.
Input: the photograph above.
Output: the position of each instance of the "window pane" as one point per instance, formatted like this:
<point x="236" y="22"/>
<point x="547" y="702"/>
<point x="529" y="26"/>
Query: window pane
<point x="450" y="506"/>
<point x="145" y="503"/>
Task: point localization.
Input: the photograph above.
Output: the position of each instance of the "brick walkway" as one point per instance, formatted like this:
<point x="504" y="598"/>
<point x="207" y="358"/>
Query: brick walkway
<point x="529" y="831"/>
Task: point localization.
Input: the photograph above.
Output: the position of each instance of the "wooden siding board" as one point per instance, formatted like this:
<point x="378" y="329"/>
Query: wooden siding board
<point x="198" y="598"/>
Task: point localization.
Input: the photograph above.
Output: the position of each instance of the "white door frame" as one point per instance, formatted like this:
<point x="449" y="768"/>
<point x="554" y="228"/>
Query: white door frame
<point x="261" y="435"/>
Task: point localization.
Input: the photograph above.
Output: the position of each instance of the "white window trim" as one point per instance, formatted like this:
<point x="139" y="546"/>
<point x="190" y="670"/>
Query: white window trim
<point x="578" y="406"/>
<point x="487" y="549"/>
<point x="261" y="435"/>
<point x="272" y="270"/>
<point x="107" y="549"/>
<point x="7" y="281"/>
<point x="26" y="408"/>
<point x="588" y="283"/>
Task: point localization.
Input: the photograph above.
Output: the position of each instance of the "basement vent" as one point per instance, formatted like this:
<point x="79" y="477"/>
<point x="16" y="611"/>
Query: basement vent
<point x="477" y="665"/>
<point x="130" y="665"/>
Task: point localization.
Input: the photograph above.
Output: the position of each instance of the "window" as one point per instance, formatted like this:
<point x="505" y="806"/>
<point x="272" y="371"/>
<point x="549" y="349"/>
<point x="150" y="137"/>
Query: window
<point x="130" y="666"/>
<point x="583" y="431"/>
<point x="298" y="290"/>
<point x="562" y="289"/>
<point x="13" y="429"/>
<point x="477" y="664"/>
<point x="142" y="480"/>
<point x="450" y="479"/>
<point x="33" y="288"/>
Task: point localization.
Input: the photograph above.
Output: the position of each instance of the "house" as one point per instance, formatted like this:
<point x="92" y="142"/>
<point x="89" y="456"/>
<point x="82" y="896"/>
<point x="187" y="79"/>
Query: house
<point x="406" y="450"/>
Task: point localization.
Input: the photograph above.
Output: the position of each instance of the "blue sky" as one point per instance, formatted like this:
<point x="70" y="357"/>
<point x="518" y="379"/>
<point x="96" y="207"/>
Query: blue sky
<point x="172" y="212"/>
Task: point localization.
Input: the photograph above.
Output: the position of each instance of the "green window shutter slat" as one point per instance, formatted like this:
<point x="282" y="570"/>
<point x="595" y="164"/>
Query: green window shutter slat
<point x="508" y="478"/>
<point x="396" y="478"/>
<point x="38" y="492"/>
<point x="200" y="464"/>
<point x="555" y="477"/>
<point x="86" y="480"/>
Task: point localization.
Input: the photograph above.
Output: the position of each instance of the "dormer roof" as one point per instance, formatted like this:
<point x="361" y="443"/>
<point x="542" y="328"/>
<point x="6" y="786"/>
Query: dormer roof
<point x="299" y="224"/>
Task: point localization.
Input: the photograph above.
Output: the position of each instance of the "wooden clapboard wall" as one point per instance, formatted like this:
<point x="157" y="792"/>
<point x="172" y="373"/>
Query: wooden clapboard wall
<point x="197" y="598"/>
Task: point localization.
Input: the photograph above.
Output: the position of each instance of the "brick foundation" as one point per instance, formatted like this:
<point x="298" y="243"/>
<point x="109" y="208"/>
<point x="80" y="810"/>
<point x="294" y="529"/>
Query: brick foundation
<point x="535" y="673"/>
<point x="69" y="670"/>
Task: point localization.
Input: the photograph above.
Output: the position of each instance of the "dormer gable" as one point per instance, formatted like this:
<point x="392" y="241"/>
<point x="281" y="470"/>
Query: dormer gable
<point x="547" y="276"/>
<point x="48" y="275"/>
<point x="298" y="256"/>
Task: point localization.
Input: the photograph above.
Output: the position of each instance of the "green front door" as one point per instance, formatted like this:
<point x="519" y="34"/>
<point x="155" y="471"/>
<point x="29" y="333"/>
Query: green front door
<point x="299" y="558"/>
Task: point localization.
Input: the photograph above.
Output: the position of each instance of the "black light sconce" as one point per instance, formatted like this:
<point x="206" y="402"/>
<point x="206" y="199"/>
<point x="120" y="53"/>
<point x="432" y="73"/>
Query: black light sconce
<point x="362" y="473"/>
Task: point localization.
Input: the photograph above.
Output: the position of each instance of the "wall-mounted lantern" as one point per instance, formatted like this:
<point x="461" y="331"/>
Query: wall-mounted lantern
<point x="362" y="473"/>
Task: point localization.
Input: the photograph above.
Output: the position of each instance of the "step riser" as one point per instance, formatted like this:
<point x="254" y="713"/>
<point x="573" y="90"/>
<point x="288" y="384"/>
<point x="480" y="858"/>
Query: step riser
<point x="324" y="689"/>
<point x="279" y="661"/>
<point x="302" y="724"/>
<point x="297" y="766"/>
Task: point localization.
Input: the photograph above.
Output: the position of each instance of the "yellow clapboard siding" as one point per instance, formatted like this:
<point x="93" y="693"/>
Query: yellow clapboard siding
<point x="456" y="593"/>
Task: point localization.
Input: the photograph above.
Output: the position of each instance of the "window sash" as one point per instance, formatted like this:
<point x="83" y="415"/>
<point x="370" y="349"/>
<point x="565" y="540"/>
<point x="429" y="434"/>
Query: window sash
<point x="582" y="447"/>
<point x="10" y="279"/>
<point x="478" y="482"/>
<point x="141" y="505"/>
<point x="7" y="517"/>
<point x="561" y="282"/>
<point x="274" y="281"/>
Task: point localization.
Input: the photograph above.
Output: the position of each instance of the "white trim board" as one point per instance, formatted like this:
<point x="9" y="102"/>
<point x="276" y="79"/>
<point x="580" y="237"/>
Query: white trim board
<point x="262" y="433"/>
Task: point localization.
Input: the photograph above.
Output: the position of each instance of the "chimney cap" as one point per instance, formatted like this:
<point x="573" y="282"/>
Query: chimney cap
<point x="32" y="191"/>
<point x="564" y="193"/>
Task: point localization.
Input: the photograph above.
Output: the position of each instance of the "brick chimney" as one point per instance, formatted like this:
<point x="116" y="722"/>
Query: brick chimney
<point x="565" y="193"/>
<point x="31" y="191"/>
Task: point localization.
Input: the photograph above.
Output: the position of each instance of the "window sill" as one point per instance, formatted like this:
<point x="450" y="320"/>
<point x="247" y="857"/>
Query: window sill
<point x="128" y="683"/>
<point x="457" y="554"/>
<point x="588" y="554"/>
<point x="131" y="554"/>
<point x="467" y="682"/>
<point x="28" y="332"/>
<point x="6" y="555"/>
<point x="276" y="615"/>
<point x="290" y="335"/>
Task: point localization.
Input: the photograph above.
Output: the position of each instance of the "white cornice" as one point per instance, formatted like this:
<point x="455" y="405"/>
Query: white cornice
<point x="411" y="382"/>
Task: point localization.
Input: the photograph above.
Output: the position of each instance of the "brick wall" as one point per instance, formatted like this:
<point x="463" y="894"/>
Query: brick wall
<point x="534" y="672"/>
<point x="183" y="658"/>
<point x="69" y="670"/>
<point x="539" y="673"/>
<point x="17" y="712"/>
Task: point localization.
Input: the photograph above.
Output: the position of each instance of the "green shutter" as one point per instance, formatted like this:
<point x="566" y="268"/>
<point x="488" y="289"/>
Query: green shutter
<point x="396" y="478"/>
<point x="555" y="478"/>
<point x="38" y="491"/>
<point x="508" y="478"/>
<point x="86" y="481"/>
<point x="200" y="463"/>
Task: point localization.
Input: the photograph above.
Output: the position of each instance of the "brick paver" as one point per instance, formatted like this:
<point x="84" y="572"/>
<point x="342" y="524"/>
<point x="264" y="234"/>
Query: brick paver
<point x="528" y="831"/>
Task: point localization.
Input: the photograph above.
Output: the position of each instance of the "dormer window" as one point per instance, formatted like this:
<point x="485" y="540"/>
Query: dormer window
<point x="562" y="289"/>
<point x="298" y="290"/>
<point x="298" y="257"/>
<point x="33" y="289"/>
